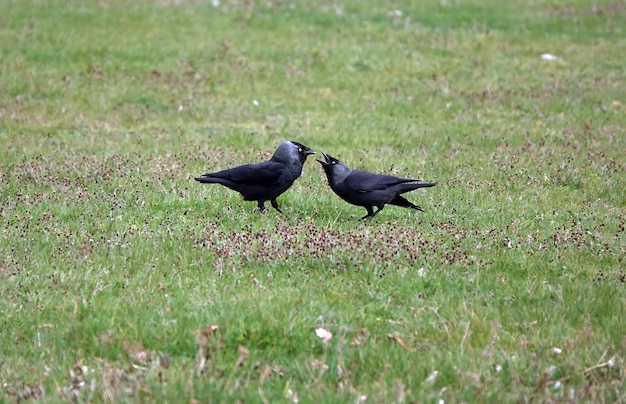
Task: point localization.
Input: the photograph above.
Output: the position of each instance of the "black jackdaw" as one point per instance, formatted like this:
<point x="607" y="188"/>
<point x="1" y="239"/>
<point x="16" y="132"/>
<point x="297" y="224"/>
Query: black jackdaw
<point x="368" y="190"/>
<point x="267" y="180"/>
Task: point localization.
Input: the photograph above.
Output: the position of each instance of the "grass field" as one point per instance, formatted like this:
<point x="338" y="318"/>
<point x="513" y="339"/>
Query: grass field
<point x="123" y="280"/>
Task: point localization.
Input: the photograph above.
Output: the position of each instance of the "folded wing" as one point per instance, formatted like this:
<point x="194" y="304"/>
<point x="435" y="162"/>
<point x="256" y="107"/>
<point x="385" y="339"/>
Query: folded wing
<point x="264" y="174"/>
<point x="362" y="181"/>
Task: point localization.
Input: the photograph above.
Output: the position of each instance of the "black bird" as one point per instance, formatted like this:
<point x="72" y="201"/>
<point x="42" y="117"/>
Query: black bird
<point x="368" y="190"/>
<point x="267" y="180"/>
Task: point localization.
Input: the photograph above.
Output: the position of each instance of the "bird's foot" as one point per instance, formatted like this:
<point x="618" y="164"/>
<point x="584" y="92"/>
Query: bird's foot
<point x="275" y="206"/>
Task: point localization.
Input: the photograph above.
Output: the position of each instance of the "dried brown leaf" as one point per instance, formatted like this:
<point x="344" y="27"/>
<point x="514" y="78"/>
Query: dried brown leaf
<point x="400" y="341"/>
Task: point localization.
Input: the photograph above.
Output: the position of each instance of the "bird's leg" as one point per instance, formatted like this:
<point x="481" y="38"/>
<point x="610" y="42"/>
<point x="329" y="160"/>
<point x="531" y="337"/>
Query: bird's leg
<point x="379" y="209"/>
<point x="275" y="205"/>
<point x="261" y="206"/>
<point x="370" y="213"/>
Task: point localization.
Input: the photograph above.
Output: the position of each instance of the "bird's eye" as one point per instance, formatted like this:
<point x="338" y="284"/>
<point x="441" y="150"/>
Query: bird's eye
<point x="300" y="149"/>
<point x="333" y="162"/>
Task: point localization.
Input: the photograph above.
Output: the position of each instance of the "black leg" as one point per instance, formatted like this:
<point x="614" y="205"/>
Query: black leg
<point x="370" y="213"/>
<point x="261" y="206"/>
<point x="379" y="209"/>
<point x="275" y="205"/>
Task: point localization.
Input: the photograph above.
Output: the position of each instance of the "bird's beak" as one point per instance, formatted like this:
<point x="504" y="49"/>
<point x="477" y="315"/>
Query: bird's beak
<point x="308" y="151"/>
<point x="326" y="159"/>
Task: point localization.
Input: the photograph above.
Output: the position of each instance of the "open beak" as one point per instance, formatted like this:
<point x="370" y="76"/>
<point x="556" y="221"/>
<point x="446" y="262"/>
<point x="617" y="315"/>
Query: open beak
<point x="326" y="159"/>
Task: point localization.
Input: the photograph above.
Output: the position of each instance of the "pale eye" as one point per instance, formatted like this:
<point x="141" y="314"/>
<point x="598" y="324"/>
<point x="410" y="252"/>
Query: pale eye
<point x="334" y="162"/>
<point x="300" y="149"/>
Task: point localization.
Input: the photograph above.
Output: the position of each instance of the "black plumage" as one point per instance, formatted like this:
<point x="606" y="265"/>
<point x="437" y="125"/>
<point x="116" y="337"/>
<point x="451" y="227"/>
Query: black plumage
<point x="366" y="189"/>
<point x="264" y="181"/>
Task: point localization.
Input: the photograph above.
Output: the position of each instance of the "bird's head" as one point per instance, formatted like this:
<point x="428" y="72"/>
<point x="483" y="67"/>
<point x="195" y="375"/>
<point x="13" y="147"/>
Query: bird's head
<point x="334" y="168"/>
<point x="303" y="150"/>
<point x="290" y="151"/>
<point x="328" y="160"/>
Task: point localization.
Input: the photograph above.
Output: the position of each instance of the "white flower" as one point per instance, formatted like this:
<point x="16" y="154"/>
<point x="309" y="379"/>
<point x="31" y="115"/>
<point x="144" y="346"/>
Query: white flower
<point x="549" y="57"/>
<point x="325" y="335"/>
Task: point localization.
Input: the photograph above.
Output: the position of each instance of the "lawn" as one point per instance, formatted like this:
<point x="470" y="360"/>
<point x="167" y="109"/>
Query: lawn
<point x="124" y="280"/>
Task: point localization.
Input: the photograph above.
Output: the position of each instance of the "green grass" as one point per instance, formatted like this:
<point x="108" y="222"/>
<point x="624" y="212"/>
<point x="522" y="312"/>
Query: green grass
<point x="115" y="263"/>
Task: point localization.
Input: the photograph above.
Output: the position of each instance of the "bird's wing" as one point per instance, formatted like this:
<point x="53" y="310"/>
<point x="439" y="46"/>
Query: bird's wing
<point x="362" y="181"/>
<point x="265" y="173"/>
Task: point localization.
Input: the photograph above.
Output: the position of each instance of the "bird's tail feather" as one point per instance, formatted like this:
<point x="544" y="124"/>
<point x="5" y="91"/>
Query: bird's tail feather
<point x="209" y="179"/>
<point x="415" y="185"/>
